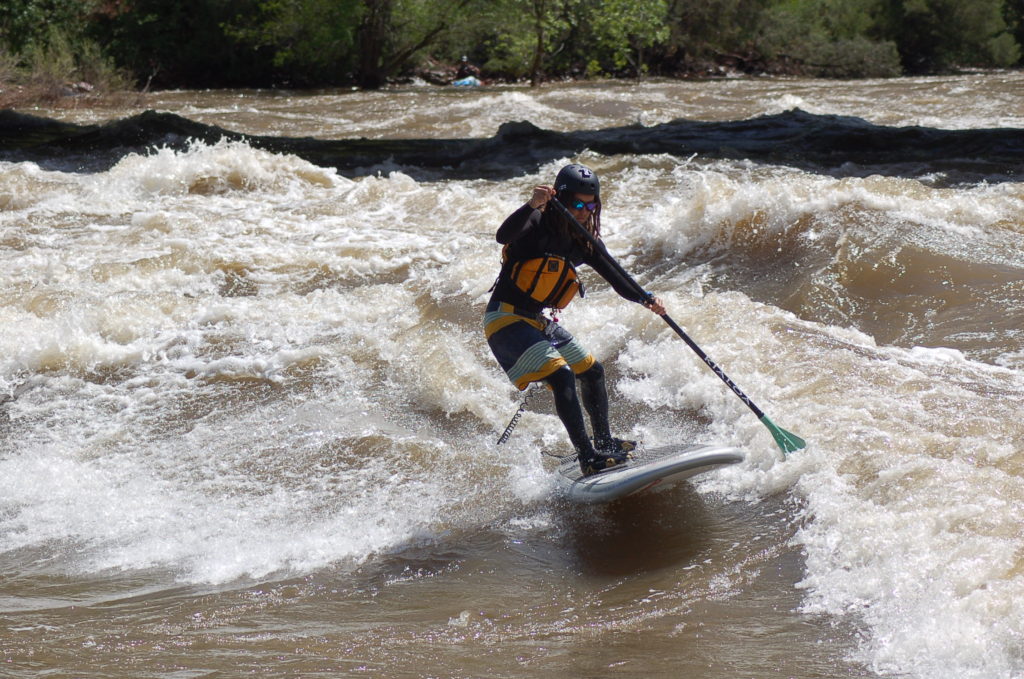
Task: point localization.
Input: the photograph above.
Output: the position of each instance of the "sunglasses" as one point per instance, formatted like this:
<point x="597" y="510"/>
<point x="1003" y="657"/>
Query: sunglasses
<point x="579" y="205"/>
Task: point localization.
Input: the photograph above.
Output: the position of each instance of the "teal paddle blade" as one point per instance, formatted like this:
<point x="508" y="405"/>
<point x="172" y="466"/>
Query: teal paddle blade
<point x="789" y="442"/>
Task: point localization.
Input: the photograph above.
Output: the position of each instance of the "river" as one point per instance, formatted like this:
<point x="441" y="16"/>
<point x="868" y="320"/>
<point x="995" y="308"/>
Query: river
<point x="249" y="418"/>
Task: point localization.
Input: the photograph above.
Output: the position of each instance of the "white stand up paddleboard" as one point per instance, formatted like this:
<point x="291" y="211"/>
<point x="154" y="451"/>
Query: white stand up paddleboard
<point x="661" y="467"/>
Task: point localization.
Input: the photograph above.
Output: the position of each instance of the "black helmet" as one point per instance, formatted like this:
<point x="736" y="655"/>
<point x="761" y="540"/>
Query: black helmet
<point x="577" y="179"/>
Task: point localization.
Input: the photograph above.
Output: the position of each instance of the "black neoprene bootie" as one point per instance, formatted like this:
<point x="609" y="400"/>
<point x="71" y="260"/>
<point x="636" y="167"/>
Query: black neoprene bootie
<point x="592" y="461"/>
<point x="612" y="445"/>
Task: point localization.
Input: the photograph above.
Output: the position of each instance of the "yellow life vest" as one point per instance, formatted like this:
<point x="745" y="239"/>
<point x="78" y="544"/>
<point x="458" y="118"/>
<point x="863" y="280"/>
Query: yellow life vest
<point x="550" y="280"/>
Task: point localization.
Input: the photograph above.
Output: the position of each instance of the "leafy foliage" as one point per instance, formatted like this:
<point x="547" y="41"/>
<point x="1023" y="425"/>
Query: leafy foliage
<point x="705" y="29"/>
<point x="46" y="44"/>
<point x="211" y="43"/>
<point x="624" y="28"/>
<point x="531" y="38"/>
<point x="833" y="38"/>
<point x="176" y="44"/>
<point x="936" y="35"/>
<point x="27" y="23"/>
<point x="307" y="42"/>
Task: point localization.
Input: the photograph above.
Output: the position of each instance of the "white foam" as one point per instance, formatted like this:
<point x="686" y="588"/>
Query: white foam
<point x="212" y="344"/>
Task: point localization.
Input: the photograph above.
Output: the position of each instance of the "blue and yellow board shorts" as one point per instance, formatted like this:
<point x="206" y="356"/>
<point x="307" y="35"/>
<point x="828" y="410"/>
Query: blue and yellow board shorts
<point x="529" y="348"/>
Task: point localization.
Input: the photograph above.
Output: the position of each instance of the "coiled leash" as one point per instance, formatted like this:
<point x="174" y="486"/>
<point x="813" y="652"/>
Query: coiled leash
<point x="515" y="418"/>
<point x="507" y="434"/>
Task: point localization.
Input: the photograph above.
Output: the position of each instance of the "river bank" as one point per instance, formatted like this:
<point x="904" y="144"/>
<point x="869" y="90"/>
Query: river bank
<point x="56" y="94"/>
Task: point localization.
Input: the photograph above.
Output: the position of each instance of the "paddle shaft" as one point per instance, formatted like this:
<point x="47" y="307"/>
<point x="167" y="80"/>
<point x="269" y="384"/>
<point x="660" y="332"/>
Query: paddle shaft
<point x="600" y="249"/>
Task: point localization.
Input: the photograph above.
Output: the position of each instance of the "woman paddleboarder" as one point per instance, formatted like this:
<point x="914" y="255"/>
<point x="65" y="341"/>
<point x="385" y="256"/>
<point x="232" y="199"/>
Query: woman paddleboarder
<point x="538" y="274"/>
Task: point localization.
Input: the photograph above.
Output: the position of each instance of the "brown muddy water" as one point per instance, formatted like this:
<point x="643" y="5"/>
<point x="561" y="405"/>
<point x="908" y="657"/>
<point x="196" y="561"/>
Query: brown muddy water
<point x="250" y="416"/>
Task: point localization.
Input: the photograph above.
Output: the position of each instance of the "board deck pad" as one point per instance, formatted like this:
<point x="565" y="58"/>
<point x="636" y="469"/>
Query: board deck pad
<point x="652" y="467"/>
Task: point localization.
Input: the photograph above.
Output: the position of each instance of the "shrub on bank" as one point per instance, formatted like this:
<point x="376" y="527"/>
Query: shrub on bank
<point x="59" y="68"/>
<point x="856" y="58"/>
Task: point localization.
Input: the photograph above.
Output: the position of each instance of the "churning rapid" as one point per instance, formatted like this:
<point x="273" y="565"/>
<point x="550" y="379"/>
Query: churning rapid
<point x="249" y="416"/>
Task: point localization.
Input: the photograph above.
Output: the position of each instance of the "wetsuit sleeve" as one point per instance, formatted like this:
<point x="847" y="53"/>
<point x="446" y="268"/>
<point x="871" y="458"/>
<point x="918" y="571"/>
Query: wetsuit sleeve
<point x="517" y="223"/>
<point x="601" y="263"/>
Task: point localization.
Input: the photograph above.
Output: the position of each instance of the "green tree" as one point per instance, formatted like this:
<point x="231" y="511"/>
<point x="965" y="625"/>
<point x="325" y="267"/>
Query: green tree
<point x="623" y="29"/>
<point x="46" y="44"/>
<point x="533" y="36"/>
<point x="216" y="43"/>
<point x="375" y="31"/>
<point x="394" y="34"/>
<point x="570" y="37"/>
<point x="310" y="41"/>
<point x="179" y="45"/>
<point x="707" y="29"/>
<point x="1013" y="13"/>
<point x="34" y="22"/>
<point x="834" y="38"/>
<point x="936" y="35"/>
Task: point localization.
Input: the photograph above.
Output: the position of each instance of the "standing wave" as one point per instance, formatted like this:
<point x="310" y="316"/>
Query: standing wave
<point x="226" y="364"/>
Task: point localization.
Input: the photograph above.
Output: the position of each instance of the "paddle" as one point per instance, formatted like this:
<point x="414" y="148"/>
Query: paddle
<point x="787" y="441"/>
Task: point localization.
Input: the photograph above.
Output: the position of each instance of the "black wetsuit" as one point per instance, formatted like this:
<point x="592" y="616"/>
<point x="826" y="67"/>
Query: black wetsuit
<point x="530" y="233"/>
